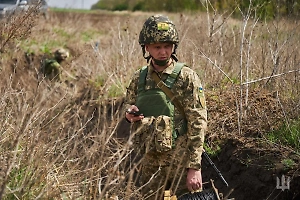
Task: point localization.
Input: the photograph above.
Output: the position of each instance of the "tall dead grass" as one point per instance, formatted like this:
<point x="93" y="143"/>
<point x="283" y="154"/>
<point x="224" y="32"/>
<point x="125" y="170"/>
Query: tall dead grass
<point x="58" y="139"/>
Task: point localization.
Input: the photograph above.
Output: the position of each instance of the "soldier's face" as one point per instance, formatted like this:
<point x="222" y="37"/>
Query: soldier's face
<point x="160" y="51"/>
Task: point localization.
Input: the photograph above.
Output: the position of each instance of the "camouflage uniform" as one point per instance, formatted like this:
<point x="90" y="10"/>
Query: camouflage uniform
<point x="51" y="67"/>
<point x="170" y="167"/>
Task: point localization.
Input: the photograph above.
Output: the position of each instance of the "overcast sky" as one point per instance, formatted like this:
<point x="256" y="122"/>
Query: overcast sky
<point x="82" y="4"/>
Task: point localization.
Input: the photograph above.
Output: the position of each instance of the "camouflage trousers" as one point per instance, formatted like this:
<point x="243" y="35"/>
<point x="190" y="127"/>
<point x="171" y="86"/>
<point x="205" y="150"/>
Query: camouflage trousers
<point x="162" y="171"/>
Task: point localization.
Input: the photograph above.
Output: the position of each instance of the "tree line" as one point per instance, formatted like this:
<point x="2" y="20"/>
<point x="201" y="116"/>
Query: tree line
<point x="266" y="9"/>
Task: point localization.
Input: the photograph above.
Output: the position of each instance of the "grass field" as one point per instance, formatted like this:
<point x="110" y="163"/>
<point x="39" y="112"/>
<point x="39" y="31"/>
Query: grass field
<point x="60" y="140"/>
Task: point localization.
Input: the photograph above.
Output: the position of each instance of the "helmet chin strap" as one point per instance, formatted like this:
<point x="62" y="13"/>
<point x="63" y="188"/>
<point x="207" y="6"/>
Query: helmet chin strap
<point x="174" y="57"/>
<point x="174" y="53"/>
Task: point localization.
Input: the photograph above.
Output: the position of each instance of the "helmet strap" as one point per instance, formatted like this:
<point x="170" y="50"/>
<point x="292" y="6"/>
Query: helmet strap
<point x="174" y="57"/>
<point x="174" y="54"/>
<point x="144" y="53"/>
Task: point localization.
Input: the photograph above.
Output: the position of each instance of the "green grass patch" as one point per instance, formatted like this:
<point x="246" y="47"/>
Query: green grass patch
<point x="89" y="35"/>
<point x="288" y="163"/>
<point x="75" y="10"/>
<point x="61" y="32"/>
<point x="67" y="10"/>
<point x="116" y="90"/>
<point x="99" y="81"/>
<point x="32" y="46"/>
<point x="287" y="134"/>
<point x="22" y="185"/>
<point x="212" y="151"/>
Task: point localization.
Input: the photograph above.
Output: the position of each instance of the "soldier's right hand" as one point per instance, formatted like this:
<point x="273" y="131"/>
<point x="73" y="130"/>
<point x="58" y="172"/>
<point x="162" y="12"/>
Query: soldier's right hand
<point x="132" y="114"/>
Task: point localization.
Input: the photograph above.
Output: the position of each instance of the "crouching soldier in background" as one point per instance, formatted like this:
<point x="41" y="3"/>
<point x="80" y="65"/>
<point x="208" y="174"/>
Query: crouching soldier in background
<point x="51" y="68"/>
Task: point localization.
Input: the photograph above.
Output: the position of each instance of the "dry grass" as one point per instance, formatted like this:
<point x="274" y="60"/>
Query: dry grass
<point x="58" y="139"/>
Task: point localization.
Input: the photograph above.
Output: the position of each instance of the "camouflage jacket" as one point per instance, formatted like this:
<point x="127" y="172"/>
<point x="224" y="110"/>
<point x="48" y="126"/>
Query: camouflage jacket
<point x="188" y="90"/>
<point x="51" y="69"/>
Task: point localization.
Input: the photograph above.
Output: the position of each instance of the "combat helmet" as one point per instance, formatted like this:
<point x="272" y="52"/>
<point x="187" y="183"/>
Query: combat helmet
<point x="61" y="54"/>
<point x="158" y="28"/>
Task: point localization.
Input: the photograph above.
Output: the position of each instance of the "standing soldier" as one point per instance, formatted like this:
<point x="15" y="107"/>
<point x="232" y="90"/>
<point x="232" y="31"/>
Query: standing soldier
<point x="167" y="125"/>
<point x="52" y="67"/>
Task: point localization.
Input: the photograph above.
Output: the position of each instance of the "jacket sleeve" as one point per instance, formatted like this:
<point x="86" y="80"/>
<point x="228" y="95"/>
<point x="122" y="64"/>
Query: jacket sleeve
<point x="131" y="92"/>
<point x="195" y="110"/>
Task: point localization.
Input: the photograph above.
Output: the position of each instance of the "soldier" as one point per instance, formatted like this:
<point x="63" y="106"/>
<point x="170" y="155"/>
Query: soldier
<point x="167" y="125"/>
<point x="52" y="67"/>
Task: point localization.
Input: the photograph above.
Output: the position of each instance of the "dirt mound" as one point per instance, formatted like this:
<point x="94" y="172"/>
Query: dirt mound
<point x="250" y="170"/>
<point x="249" y="162"/>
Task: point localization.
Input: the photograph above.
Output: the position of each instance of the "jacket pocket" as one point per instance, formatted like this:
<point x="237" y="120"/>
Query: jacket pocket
<point x="143" y="133"/>
<point x="163" y="133"/>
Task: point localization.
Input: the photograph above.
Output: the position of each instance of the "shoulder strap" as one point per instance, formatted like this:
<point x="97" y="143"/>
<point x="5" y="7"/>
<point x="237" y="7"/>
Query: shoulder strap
<point x="167" y="91"/>
<point x="172" y="77"/>
<point x="142" y="78"/>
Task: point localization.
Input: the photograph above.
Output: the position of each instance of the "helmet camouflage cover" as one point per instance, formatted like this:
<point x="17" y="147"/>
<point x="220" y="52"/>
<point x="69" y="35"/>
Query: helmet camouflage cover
<point x="61" y="54"/>
<point x="158" y="28"/>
